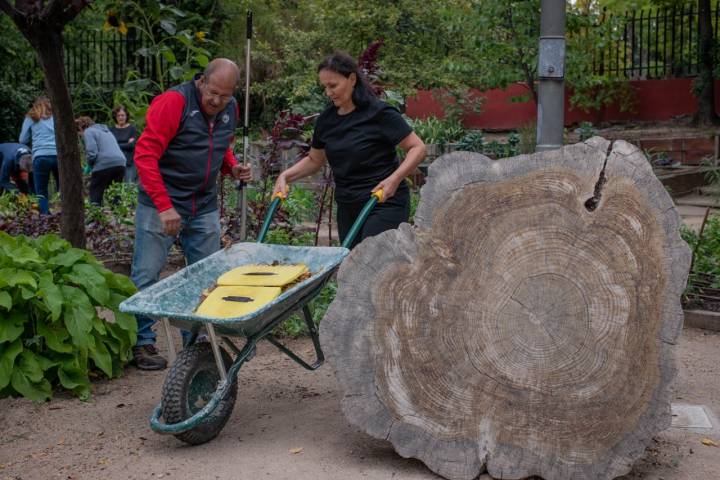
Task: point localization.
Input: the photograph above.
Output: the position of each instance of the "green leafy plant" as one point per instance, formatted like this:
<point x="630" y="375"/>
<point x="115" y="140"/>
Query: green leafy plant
<point x="586" y="130"/>
<point x="54" y="300"/>
<point x="295" y="326"/>
<point x="433" y="130"/>
<point x="472" y="141"/>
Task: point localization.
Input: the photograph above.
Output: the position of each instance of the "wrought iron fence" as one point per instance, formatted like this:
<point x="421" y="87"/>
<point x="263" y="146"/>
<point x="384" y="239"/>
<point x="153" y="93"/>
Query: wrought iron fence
<point x="103" y="59"/>
<point x="653" y="43"/>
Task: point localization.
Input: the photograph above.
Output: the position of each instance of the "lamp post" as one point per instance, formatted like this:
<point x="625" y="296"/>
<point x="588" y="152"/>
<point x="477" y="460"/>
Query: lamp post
<point x="551" y="75"/>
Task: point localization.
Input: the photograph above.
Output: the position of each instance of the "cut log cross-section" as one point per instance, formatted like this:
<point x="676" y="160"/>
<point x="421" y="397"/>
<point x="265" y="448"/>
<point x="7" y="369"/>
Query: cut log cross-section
<point x="526" y="324"/>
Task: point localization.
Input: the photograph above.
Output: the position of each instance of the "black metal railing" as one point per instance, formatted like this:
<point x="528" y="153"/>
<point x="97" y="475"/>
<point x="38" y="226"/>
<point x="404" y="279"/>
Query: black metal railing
<point x="652" y="43"/>
<point x="103" y="59"/>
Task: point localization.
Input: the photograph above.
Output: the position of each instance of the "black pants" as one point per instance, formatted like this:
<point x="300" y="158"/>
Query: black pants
<point x="99" y="181"/>
<point x="385" y="216"/>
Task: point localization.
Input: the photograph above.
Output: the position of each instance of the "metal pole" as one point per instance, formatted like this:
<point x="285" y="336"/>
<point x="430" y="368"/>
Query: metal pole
<point x="246" y="130"/>
<point x="551" y="75"/>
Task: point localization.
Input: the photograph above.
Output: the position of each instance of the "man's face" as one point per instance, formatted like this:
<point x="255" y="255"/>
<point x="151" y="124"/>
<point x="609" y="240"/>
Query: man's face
<point x="216" y="92"/>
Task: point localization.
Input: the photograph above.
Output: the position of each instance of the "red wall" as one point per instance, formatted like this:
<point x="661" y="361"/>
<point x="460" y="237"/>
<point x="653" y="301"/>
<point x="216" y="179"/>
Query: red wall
<point x="655" y="100"/>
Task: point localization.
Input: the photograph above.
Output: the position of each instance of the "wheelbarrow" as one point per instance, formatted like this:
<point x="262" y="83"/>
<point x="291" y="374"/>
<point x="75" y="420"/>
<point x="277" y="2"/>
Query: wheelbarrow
<point x="200" y="388"/>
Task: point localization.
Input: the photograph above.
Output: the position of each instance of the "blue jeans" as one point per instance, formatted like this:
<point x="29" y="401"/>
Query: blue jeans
<point x="199" y="237"/>
<point x="43" y="166"/>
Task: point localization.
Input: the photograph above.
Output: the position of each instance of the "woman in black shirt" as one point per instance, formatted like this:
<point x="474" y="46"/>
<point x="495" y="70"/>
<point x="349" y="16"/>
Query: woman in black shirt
<point x="125" y="134"/>
<point x="357" y="136"/>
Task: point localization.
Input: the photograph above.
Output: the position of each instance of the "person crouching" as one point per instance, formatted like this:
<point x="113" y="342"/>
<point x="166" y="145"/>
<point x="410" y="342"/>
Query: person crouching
<point x="103" y="155"/>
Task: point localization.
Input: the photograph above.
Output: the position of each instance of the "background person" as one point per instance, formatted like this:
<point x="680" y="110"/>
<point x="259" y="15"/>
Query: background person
<point x="15" y="168"/>
<point x="186" y="142"/>
<point x="358" y="135"/>
<point x="38" y="132"/>
<point x="125" y="134"/>
<point x="103" y="156"/>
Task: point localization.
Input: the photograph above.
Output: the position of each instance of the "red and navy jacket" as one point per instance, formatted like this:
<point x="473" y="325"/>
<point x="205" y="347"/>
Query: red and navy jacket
<point x="180" y="152"/>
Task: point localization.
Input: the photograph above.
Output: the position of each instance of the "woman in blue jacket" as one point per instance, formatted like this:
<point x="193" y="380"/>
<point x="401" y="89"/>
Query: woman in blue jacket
<point x="38" y="131"/>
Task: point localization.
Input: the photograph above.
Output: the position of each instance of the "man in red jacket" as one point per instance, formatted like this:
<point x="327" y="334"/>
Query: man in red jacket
<point x="187" y="141"/>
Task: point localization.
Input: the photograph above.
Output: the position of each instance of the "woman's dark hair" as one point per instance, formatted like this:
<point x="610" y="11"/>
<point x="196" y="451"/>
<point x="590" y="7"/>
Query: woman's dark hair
<point x="344" y="64"/>
<point x="117" y="109"/>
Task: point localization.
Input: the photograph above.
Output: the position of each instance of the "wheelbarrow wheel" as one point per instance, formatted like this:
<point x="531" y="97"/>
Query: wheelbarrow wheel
<point x="189" y="385"/>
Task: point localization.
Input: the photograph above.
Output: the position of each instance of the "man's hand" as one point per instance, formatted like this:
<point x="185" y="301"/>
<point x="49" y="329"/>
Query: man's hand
<point x="171" y="222"/>
<point x="242" y="172"/>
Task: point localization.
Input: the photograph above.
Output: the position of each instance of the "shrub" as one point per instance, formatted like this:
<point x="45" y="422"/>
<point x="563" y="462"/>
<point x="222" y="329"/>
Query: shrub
<point x="51" y="331"/>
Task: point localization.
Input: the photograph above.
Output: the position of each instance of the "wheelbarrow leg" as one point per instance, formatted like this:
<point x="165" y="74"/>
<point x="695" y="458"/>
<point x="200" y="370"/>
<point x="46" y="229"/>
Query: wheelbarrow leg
<point x="216" y="351"/>
<point x="320" y="356"/>
<point x="172" y="354"/>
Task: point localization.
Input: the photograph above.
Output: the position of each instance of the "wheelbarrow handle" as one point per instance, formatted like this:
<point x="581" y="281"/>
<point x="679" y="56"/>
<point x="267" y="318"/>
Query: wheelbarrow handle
<point x="277" y="198"/>
<point x="375" y="198"/>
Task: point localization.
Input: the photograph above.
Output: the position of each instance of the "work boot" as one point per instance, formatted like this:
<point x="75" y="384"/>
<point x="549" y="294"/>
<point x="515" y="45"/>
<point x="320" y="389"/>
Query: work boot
<point x="146" y="357"/>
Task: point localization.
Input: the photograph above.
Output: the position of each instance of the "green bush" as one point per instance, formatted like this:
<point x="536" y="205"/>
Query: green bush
<point x="51" y="331"/>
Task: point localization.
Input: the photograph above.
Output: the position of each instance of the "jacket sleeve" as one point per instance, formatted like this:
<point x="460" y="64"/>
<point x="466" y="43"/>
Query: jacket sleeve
<point x="91" y="147"/>
<point x="25" y="136"/>
<point x="229" y="161"/>
<point x="162" y="122"/>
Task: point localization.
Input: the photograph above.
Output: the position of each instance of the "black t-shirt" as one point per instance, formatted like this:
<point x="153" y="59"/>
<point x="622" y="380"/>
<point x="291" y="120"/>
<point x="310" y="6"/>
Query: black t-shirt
<point x="123" y="136"/>
<point x="360" y="147"/>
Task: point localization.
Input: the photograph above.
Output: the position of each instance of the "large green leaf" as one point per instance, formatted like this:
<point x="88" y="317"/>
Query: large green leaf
<point x="78" y="313"/>
<point x="121" y="283"/>
<point x="13" y="277"/>
<point x="67" y="259"/>
<point x="25" y="254"/>
<point x="50" y="244"/>
<point x="99" y="325"/>
<point x="5" y="300"/>
<point x="37" y="391"/>
<point x="101" y="356"/>
<point x="29" y="365"/>
<point x="75" y="378"/>
<point x="91" y="280"/>
<point x="12" y="325"/>
<point x="50" y="294"/>
<point x="55" y="337"/>
<point x="8" y="353"/>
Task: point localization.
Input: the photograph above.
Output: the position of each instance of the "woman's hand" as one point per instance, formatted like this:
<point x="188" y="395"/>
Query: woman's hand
<point x="389" y="187"/>
<point x="281" y="186"/>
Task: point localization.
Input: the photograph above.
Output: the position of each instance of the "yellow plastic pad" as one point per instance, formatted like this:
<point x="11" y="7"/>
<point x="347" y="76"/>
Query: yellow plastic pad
<point x="265" y="275"/>
<point x="236" y="301"/>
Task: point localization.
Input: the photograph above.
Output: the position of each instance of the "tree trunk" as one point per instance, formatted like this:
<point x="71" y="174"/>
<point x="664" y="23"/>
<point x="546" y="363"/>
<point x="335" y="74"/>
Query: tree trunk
<point x="48" y="44"/>
<point x="526" y="324"/>
<point x="705" y="82"/>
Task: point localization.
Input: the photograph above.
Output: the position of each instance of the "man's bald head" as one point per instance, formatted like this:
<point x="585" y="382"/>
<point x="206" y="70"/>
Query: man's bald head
<point x="224" y="69"/>
<point x="217" y="85"/>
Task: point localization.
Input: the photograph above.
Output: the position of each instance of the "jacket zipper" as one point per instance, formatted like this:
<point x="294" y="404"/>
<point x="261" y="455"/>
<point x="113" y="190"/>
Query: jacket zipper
<point x="209" y="162"/>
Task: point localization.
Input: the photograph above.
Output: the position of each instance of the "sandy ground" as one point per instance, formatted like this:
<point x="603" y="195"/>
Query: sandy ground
<point x="287" y="424"/>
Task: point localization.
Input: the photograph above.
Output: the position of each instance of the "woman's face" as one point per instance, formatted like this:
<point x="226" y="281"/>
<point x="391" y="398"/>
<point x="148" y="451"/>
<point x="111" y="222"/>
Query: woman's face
<point x="338" y="88"/>
<point x="121" y="117"/>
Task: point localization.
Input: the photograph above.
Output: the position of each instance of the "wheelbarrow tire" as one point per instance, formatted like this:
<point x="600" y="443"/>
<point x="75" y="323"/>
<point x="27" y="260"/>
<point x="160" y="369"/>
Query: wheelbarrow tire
<point x="195" y="373"/>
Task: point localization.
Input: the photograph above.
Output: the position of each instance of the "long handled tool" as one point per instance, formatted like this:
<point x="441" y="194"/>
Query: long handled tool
<point x="242" y="205"/>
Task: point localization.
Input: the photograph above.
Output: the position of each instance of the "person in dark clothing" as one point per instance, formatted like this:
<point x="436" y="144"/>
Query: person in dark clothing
<point x="186" y="143"/>
<point x="125" y="134"/>
<point x="15" y="168"/>
<point x="103" y="156"/>
<point x="357" y="135"/>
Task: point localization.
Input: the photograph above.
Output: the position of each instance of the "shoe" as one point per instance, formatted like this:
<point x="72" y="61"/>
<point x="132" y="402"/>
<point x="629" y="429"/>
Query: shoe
<point x="146" y="357"/>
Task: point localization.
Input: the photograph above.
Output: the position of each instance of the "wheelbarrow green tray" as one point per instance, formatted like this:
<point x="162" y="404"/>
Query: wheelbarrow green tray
<point x="177" y="296"/>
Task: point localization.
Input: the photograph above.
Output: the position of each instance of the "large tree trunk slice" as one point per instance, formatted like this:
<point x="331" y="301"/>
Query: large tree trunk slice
<point x="525" y="325"/>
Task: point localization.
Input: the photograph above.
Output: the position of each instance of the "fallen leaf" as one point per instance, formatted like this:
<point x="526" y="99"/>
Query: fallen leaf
<point x="708" y="442"/>
<point x="296" y="450"/>
<point x="61" y="441"/>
